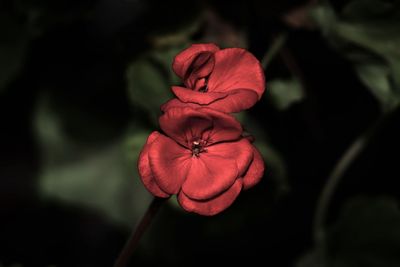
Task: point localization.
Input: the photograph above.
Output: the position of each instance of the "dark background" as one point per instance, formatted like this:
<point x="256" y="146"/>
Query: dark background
<point x="81" y="83"/>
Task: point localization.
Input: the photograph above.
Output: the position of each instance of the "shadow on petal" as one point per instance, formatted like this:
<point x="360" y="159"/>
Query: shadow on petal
<point x="209" y="175"/>
<point x="255" y="171"/>
<point x="211" y="206"/>
<point x="170" y="163"/>
<point x="145" y="172"/>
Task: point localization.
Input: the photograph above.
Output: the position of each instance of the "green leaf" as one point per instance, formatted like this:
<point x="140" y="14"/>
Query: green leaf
<point x="102" y="177"/>
<point x="325" y="18"/>
<point x="150" y="79"/>
<point x="165" y="57"/>
<point x="369" y="9"/>
<point x="367" y="233"/>
<point x="148" y="87"/>
<point x="368" y="27"/>
<point x="377" y="78"/>
<point x="284" y="93"/>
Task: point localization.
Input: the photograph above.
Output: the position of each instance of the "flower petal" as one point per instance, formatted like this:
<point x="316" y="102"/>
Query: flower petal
<point x="184" y="59"/>
<point x="201" y="66"/>
<point x="145" y="172"/>
<point x="170" y="163"/>
<point x="176" y="103"/>
<point x="188" y="95"/>
<point x="235" y="68"/>
<point x="209" y="176"/>
<point x="255" y="171"/>
<point x="241" y="151"/>
<point x="211" y="206"/>
<point x="184" y="124"/>
<point x="234" y="101"/>
<point x="225" y="126"/>
<point x="237" y="100"/>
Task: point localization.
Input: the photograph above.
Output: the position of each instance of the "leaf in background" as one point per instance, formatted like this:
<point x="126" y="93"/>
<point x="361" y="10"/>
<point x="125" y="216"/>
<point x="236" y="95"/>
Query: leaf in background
<point x="150" y="79"/>
<point x="370" y="27"/>
<point x="148" y="87"/>
<point x="284" y="93"/>
<point x="103" y="178"/>
<point x="377" y="78"/>
<point x="325" y="18"/>
<point x="380" y="37"/>
<point x="367" y="233"/>
<point x="164" y="57"/>
<point x="370" y="9"/>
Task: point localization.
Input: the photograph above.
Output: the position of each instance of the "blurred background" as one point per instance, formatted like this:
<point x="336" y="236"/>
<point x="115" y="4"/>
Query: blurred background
<point x="81" y="83"/>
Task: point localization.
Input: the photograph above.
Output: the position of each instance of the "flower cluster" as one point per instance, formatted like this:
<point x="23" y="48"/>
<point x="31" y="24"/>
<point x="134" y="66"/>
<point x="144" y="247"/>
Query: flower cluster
<point x="202" y="155"/>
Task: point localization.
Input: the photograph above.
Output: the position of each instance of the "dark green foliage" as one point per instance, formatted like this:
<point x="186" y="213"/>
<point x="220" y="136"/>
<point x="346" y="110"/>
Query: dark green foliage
<point x="81" y="84"/>
<point x="367" y="233"/>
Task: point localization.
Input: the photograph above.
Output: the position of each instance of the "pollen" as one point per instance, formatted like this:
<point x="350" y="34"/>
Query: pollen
<point x="198" y="147"/>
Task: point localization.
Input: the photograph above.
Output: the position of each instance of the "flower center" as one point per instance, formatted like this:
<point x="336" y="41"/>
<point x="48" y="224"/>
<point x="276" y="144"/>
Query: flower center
<point x="197" y="74"/>
<point x="198" y="147"/>
<point x="201" y="85"/>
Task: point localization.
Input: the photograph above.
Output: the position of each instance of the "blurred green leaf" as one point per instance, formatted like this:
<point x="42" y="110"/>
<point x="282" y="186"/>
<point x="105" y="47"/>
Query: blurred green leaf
<point x="103" y="177"/>
<point x="370" y="9"/>
<point x="150" y="79"/>
<point x="165" y="57"/>
<point x="377" y="78"/>
<point x="284" y="93"/>
<point x="367" y="233"/>
<point x="370" y="27"/>
<point x="324" y="16"/>
<point x="148" y="87"/>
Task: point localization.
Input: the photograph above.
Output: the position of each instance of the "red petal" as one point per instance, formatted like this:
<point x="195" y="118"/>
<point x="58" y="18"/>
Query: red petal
<point x="176" y="103"/>
<point x="201" y="66"/>
<point x="211" y="206"/>
<point x="209" y="176"/>
<point x="170" y="163"/>
<point x="235" y="68"/>
<point x="236" y="101"/>
<point x="184" y="124"/>
<point x="145" y="172"/>
<point x="241" y="151"/>
<point x="184" y="59"/>
<point x="225" y="126"/>
<point x="255" y="171"/>
<point x="188" y="95"/>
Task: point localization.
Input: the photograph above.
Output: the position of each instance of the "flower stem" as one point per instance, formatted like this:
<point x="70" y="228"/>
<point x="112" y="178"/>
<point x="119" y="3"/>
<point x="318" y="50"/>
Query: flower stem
<point x="133" y="241"/>
<point x="349" y="156"/>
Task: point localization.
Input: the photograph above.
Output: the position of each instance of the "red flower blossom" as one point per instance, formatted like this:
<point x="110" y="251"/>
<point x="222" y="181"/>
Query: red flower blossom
<point x="228" y="80"/>
<point x="203" y="158"/>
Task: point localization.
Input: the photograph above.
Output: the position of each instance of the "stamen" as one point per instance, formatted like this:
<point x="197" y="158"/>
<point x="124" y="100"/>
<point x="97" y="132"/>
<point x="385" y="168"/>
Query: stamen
<point x="198" y="147"/>
<point x="203" y="89"/>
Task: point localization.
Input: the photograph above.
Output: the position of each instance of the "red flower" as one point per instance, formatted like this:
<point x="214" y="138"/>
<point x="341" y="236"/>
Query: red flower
<point x="228" y="80"/>
<point x="203" y="158"/>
